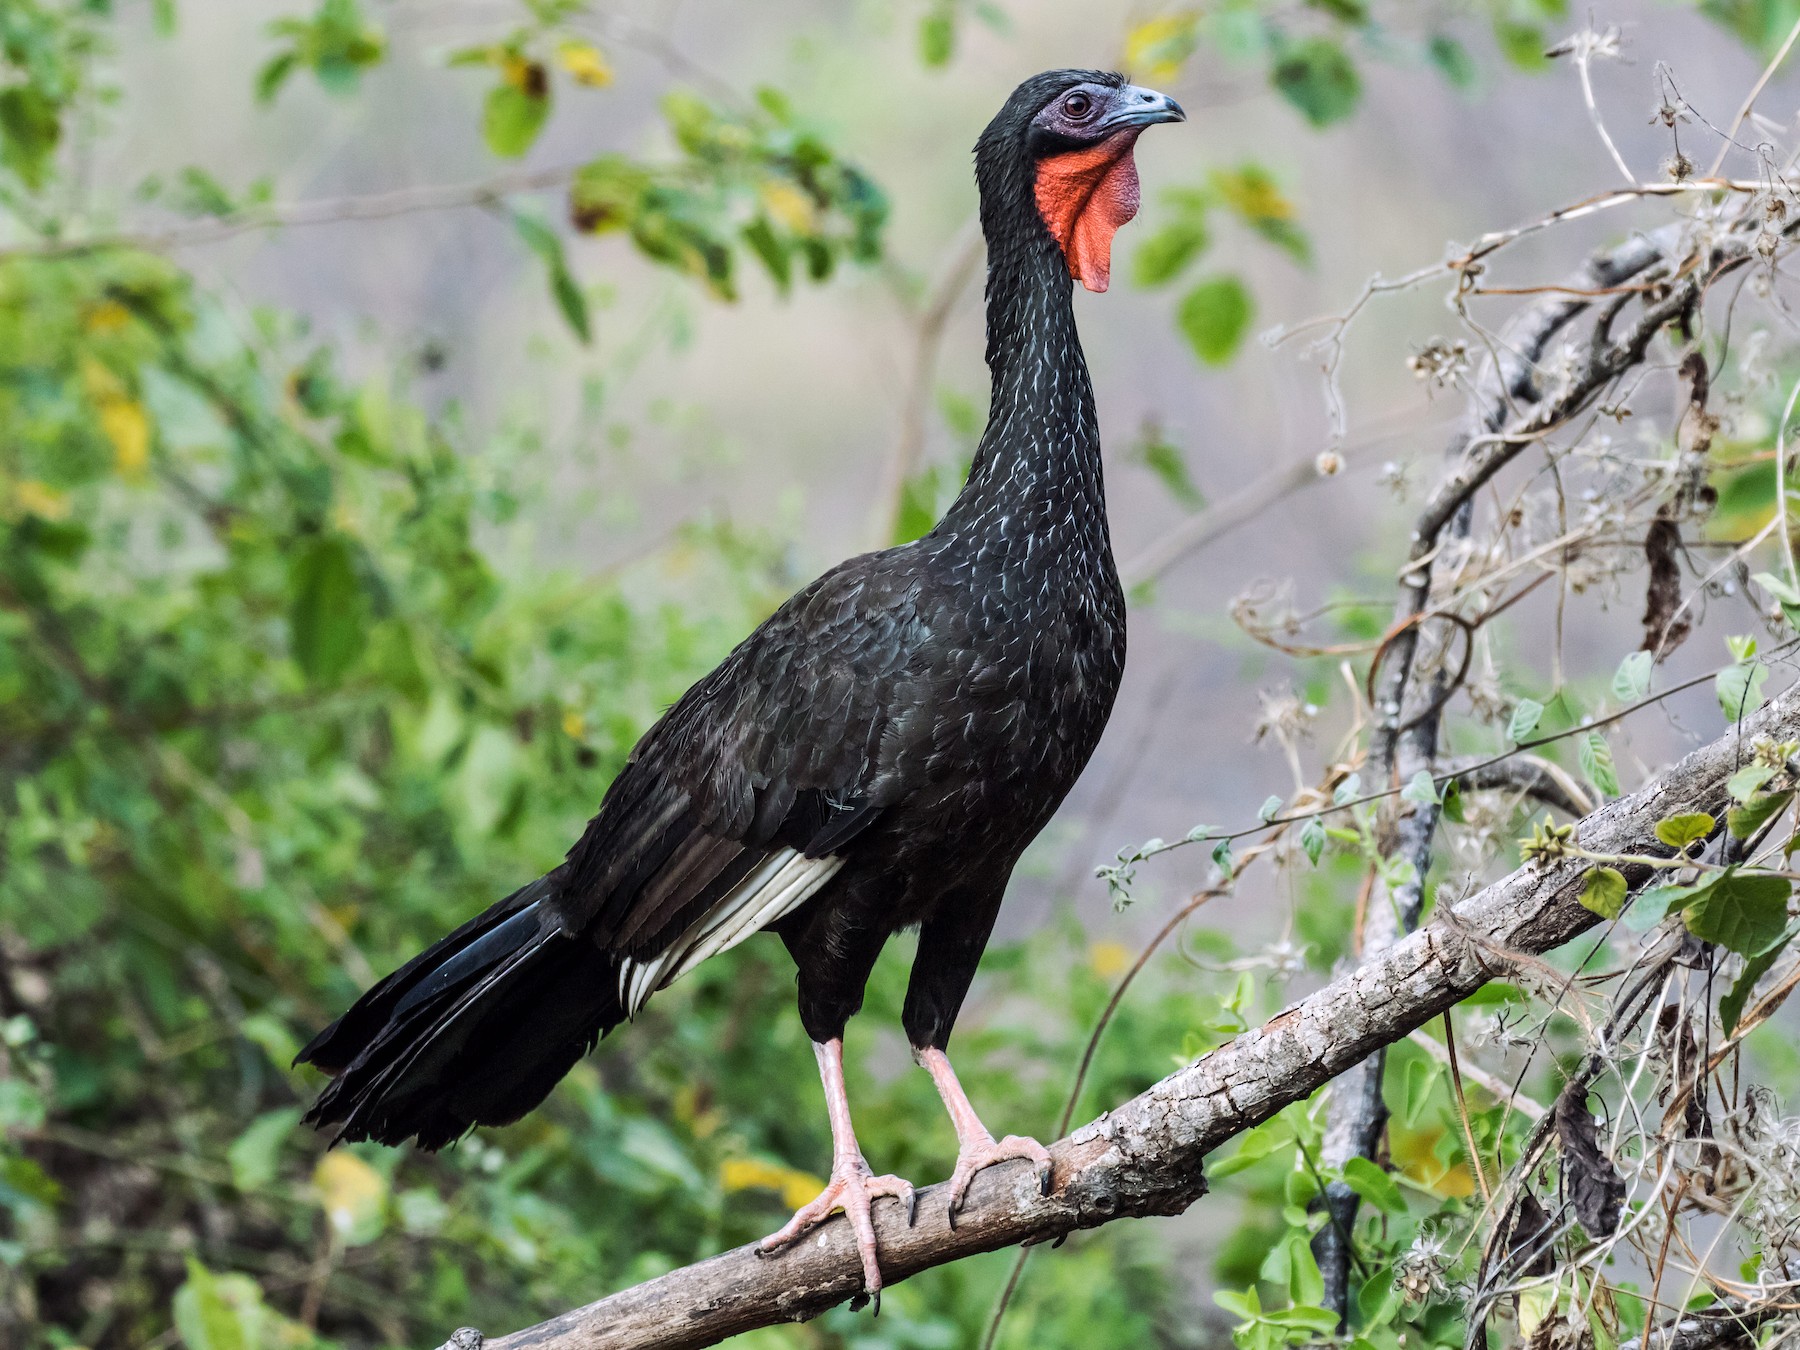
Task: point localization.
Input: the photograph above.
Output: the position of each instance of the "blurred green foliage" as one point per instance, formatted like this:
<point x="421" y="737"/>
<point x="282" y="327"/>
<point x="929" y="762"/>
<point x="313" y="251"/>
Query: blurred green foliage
<point x="273" y="714"/>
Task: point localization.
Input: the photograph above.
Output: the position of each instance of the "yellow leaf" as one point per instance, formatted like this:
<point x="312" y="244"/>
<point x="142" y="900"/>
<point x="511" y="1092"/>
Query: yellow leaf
<point x="1156" y="48"/>
<point x="41" y="499"/>
<point x="101" y="383"/>
<point x="702" y="1120"/>
<point x="790" y="206"/>
<point x="743" y="1174"/>
<point x="1415" y="1153"/>
<point x="1109" y="959"/>
<point x="109" y="316"/>
<point x="574" y="725"/>
<point x="1255" y="196"/>
<point x="585" y="62"/>
<point x="351" y="1193"/>
<point x="1537" y="1304"/>
<point x="127" y="426"/>
<point x="526" y="76"/>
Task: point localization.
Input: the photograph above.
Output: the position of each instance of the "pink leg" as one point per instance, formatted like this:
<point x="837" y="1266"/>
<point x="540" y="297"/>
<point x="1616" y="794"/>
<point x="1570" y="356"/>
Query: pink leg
<point x="853" y="1187"/>
<point x="975" y="1147"/>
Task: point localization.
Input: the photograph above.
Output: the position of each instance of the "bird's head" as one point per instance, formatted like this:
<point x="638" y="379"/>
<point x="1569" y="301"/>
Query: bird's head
<point x="1061" y="149"/>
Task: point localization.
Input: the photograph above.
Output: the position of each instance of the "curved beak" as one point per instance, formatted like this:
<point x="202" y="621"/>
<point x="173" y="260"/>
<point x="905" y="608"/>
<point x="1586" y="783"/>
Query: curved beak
<point x="1140" y="107"/>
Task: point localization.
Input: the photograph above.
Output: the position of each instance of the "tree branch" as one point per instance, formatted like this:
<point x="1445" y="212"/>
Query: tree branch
<point x="1145" y="1156"/>
<point x="1549" y="783"/>
<point x="321" y="211"/>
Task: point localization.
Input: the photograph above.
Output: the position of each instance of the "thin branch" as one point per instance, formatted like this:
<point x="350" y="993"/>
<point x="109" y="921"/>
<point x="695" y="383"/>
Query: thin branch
<point x="1240" y="508"/>
<point x="1585" y="46"/>
<point x="1755" y="93"/>
<point x="323" y="211"/>
<point x="1549" y="783"/>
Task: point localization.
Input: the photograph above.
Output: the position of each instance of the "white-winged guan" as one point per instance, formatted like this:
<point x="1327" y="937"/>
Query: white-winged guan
<point x="876" y="756"/>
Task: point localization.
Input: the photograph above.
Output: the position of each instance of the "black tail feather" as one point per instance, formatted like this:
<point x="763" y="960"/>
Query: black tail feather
<point x="475" y="1030"/>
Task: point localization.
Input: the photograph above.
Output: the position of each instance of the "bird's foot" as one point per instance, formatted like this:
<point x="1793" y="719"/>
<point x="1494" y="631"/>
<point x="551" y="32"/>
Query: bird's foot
<point x="982" y="1152"/>
<point x="853" y="1188"/>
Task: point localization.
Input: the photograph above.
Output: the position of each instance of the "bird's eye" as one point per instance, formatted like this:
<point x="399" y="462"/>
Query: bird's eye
<point x="1078" y="105"/>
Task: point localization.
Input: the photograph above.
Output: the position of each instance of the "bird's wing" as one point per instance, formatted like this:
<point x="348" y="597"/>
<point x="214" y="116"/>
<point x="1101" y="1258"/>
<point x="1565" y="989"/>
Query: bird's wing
<point x="751" y="791"/>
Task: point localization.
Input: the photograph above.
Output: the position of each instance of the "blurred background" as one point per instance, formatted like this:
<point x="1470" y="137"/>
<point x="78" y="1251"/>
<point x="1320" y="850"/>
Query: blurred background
<point x="403" y="402"/>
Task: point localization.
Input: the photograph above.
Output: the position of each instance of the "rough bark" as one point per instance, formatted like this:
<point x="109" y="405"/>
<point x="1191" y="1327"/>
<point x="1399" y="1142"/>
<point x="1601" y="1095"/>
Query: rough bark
<point x="1144" y="1157"/>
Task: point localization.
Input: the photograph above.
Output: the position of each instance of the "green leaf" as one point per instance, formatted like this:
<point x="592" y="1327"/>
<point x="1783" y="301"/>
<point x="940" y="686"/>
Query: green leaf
<point x="1251" y="193"/>
<point x="1302" y="1317"/>
<point x="1221" y="856"/>
<point x="1421" y="1078"/>
<point x="1312" y="839"/>
<point x="547" y="244"/>
<point x="220" y="1312"/>
<point x="1597" y="763"/>
<point x="774" y="254"/>
<point x="937" y="36"/>
<point x="1421" y="791"/>
<point x="608" y="193"/>
<point x="1522" y="44"/>
<point x="1354" y="12"/>
<point x="1526" y="714"/>
<point x="1252" y="1148"/>
<point x="1271" y="808"/>
<point x="1742" y="911"/>
<point x="1452" y="60"/>
<point x="1603" y="890"/>
<point x="1377" y="1300"/>
<point x="1731" y="1004"/>
<point x="274" y="74"/>
<point x="1632" y="679"/>
<point x="1678" y="831"/>
<point x="327" y="611"/>
<point x="513" y="116"/>
<point x="1782" y="590"/>
<point x="1748" y="781"/>
<point x="1167" y="463"/>
<point x="1239" y="1302"/>
<point x="1317" y="76"/>
<point x="1306" y="1286"/>
<point x="1453" y="803"/>
<point x="1744" y="821"/>
<point x="1163" y="256"/>
<point x="1372" y="1183"/>
<point x="1214" y="317"/>
<point x="1654" y="905"/>
<point x="255" y="1155"/>
<point x="1739" y="689"/>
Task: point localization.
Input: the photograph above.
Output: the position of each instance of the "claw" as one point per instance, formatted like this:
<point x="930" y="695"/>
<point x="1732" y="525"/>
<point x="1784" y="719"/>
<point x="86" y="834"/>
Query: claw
<point x="978" y="1154"/>
<point x="853" y="1188"/>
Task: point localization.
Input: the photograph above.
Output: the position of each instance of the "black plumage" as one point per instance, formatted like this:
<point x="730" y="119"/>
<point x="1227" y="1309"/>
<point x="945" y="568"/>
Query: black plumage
<point x="875" y="756"/>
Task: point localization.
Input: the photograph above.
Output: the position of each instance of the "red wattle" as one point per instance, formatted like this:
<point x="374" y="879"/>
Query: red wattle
<point x="1084" y="196"/>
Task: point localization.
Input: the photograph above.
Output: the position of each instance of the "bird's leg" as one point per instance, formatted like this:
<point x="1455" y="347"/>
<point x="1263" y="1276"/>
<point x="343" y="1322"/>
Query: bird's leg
<point x="975" y="1147"/>
<point x="853" y="1186"/>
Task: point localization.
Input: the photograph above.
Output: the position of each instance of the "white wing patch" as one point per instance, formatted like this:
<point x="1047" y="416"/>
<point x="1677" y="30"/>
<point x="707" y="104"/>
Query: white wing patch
<point x="781" y="885"/>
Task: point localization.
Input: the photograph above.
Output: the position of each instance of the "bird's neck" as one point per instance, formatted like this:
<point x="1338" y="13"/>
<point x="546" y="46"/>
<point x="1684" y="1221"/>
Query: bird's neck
<point x="1038" y="463"/>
